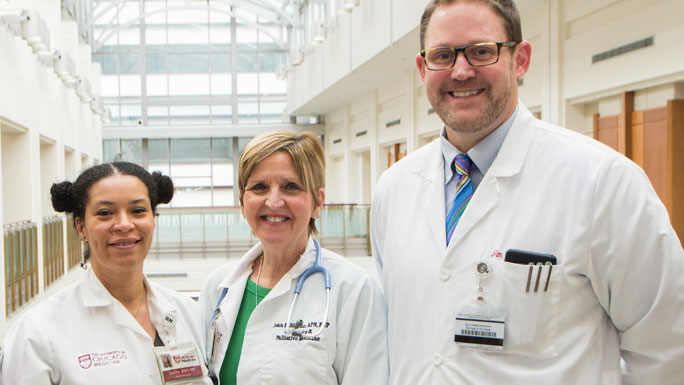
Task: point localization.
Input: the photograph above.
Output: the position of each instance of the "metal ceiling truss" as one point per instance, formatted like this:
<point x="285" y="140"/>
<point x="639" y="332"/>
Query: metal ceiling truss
<point x="271" y="12"/>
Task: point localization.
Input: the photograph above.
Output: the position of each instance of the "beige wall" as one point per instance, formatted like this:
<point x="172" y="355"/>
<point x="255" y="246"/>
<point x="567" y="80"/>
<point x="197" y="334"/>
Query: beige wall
<point x="562" y="84"/>
<point x="48" y="133"/>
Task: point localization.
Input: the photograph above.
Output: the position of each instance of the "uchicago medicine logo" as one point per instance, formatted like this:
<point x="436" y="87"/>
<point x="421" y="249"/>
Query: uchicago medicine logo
<point x="115" y="357"/>
<point x="85" y="361"/>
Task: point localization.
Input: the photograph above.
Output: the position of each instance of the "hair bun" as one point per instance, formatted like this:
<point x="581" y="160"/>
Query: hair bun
<point x="62" y="197"/>
<point x="164" y="187"/>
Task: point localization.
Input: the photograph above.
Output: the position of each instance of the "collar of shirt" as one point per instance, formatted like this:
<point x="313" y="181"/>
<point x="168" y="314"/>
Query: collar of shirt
<point x="244" y="266"/>
<point x="95" y="294"/>
<point x="482" y="154"/>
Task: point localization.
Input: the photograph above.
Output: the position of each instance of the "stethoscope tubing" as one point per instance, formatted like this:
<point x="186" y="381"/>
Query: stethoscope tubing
<point x="317" y="267"/>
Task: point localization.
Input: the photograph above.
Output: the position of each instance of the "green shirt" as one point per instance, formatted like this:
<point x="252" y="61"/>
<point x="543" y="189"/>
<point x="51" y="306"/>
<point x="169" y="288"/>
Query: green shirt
<point x="228" y="373"/>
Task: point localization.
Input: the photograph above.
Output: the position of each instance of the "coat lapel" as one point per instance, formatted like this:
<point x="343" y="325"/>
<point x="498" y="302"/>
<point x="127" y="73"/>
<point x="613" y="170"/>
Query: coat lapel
<point x="235" y="282"/>
<point x="508" y="163"/>
<point x="431" y="173"/>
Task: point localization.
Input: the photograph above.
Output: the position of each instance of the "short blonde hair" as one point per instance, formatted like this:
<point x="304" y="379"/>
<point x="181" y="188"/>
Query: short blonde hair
<point x="307" y="155"/>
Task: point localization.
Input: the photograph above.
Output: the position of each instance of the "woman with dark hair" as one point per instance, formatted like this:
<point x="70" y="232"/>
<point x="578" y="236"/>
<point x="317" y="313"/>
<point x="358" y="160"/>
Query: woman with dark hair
<point x="112" y="326"/>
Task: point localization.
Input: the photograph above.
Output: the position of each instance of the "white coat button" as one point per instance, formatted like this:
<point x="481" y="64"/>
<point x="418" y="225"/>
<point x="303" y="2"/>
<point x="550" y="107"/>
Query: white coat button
<point x="444" y="274"/>
<point x="437" y="360"/>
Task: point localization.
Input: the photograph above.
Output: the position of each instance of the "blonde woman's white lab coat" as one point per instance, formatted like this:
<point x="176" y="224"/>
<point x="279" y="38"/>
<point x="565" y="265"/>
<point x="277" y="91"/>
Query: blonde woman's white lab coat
<point x="617" y="289"/>
<point x="351" y="351"/>
<point x="81" y="335"/>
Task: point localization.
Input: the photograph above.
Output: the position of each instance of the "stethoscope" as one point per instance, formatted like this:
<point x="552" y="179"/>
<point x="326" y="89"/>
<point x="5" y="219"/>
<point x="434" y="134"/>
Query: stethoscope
<point x="317" y="267"/>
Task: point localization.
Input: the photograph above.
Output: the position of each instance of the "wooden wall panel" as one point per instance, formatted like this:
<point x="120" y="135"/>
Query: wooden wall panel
<point x="608" y="131"/>
<point x="638" y="138"/>
<point x="675" y="114"/>
<point x="656" y="143"/>
<point x="625" y="124"/>
<point x="655" y="158"/>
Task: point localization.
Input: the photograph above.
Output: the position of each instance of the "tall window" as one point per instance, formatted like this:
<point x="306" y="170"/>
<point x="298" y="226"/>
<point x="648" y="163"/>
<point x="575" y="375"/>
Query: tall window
<point x="202" y="169"/>
<point x="173" y="62"/>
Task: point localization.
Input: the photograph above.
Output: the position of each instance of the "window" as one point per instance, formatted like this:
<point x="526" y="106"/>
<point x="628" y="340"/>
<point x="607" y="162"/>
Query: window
<point x="189" y="66"/>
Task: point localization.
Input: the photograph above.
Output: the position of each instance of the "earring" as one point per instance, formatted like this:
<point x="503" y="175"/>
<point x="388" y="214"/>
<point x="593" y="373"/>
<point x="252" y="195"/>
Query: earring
<point x="86" y="255"/>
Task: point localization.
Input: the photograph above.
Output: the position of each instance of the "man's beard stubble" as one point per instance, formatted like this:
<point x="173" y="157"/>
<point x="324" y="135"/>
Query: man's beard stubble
<point x="486" y="117"/>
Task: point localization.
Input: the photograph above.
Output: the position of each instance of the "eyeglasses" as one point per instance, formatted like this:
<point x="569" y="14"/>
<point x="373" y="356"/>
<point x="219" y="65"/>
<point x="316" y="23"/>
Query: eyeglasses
<point x="477" y="55"/>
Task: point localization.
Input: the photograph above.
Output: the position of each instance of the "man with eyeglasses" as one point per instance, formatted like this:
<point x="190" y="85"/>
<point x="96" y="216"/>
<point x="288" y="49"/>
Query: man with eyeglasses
<point x="512" y="251"/>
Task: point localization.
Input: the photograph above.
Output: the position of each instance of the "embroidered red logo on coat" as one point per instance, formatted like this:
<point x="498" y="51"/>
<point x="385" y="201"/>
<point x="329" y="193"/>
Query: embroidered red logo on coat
<point x="85" y="361"/>
<point x="114" y="357"/>
<point x="496" y="254"/>
<point x="177" y="359"/>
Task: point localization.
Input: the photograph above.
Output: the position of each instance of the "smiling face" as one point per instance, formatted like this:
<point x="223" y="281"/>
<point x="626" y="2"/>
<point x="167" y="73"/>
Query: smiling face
<point x="118" y="223"/>
<point x="472" y="101"/>
<point x="277" y="205"/>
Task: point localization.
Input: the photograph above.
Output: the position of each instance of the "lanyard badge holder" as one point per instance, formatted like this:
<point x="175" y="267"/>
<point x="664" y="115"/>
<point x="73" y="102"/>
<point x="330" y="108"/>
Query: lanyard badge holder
<point x="213" y="334"/>
<point x="480" y="325"/>
<point x="178" y="363"/>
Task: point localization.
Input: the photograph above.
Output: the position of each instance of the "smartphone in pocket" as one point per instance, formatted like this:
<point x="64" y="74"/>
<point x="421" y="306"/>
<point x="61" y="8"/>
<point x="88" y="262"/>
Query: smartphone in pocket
<point x="524" y="257"/>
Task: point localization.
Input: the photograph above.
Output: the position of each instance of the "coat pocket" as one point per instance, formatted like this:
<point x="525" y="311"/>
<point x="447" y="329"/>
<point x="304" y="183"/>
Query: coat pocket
<point x="296" y="365"/>
<point x="531" y="296"/>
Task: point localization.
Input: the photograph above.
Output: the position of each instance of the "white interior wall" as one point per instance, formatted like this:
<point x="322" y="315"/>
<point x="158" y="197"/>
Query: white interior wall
<point x="47" y="132"/>
<point x="361" y="177"/>
<point x="337" y="145"/>
<point x="562" y="83"/>
<point x="393" y="113"/>
<point x="336" y="180"/>
<point x="679" y="90"/>
<point x="70" y="164"/>
<point x="620" y="23"/>
<point x="371" y="30"/>
<point x="428" y="123"/>
<point x="49" y="164"/>
<point x="2" y="260"/>
<point x="654" y="97"/>
<point x="611" y="105"/>
<point x="16" y="177"/>
<point x="361" y="128"/>
<point x="337" y="48"/>
<point x="405" y="16"/>
<point x="535" y="29"/>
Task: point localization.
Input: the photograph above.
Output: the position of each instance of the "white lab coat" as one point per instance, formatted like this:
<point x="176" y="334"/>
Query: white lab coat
<point x="82" y="335"/>
<point x="351" y="351"/>
<point x="617" y="289"/>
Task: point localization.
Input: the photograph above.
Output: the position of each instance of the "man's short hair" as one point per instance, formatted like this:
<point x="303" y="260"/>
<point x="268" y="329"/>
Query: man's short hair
<point x="506" y="10"/>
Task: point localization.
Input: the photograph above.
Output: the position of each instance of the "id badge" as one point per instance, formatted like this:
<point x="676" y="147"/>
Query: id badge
<point x="179" y="364"/>
<point x="480" y="327"/>
<point x="213" y="339"/>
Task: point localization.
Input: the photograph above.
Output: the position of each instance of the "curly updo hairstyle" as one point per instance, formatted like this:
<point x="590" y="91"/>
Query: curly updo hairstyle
<point x="72" y="198"/>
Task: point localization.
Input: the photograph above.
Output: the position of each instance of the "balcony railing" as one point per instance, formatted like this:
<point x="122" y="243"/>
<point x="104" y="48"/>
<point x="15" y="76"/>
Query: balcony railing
<point x="222" y="232"/>
<point x="53" y="249"/>
<point x="21" y="264"/>
<point x="74" y="254"/>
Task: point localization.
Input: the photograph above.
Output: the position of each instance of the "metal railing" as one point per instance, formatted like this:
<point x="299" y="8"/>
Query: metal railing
<point x="74" y="254"/>
<point x="21" y="264"/>
<point x="222" y="232"/>
<point x="53" y="249"/>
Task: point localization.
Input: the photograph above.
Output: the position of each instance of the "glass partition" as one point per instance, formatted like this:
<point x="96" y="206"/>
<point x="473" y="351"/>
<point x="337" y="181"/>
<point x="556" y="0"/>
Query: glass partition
<point x="222" y="233"/>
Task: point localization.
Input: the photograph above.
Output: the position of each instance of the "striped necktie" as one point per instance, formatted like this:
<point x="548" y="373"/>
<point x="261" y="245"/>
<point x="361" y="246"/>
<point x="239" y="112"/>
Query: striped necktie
<point x="464" y="191"/>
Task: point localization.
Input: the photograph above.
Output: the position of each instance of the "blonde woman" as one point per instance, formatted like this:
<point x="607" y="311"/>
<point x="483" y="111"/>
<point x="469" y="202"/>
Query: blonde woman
<point x="256" y="334"/>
